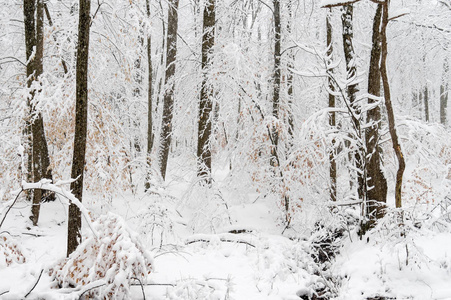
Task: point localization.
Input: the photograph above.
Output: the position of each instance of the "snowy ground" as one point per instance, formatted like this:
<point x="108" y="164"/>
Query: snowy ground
<point x="199" y="259"/>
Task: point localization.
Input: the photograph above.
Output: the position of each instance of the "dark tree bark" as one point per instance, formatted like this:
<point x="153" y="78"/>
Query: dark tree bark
<point x="332" y="121"/>
<point x="276" y="83"/>
<point x="389" y="106"/>
<point x="44" y="164"/>
<point x="30" y="44"/>
<point x="29" y="8"/>
<point x="150" y="134"/>
<point x="426" y="103"/>
<point x="376" y="181"/>
<point x="37" y="122"/>
<point x="348" y="46"/>
<point x="273" y="133"/>
<point x="206" y="103"/>
<point x="290" y="78"/>
<point x="444" y="93"/>
<point x="168" y="101"/>
<point x="81" y="125"/>
<point x="420" y="103"/>
<point x="162" y="57"/>
<point x="352" y="89"/>
<point x="39" y="162"/>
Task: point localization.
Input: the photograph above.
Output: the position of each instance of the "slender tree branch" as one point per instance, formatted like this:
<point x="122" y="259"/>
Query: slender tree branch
<point x="142" y="287"/>
<point x="14" y="59"/>
<point x="341" y="3"/>
<point x="9" y="208"/>
<point x="35" y="284"/>
<point x="90" y="289"/>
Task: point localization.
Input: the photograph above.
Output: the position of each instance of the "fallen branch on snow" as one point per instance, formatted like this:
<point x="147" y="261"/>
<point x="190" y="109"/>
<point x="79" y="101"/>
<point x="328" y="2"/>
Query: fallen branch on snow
<point x="225" y="238"/>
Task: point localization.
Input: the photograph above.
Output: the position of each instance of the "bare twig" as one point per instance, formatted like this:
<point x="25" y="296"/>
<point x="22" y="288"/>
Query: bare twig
<point x="9" y="208"/>
<point x="155" y="284"/>
<point x="87" y="290"/>
<point x="35" y="284"/>
<point x="142" y="287"/>
<point x="95" y="13"/>
<point x="12" y="58"/>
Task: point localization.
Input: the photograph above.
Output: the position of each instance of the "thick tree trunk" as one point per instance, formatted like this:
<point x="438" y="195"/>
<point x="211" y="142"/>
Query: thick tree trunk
<point x="168" y="101"/>
<point x="150" y="134"/>
<point x="34" y="168"/>
<point x="389" y="106"/>
<point x="29" y="8"/>
<point x="81" y="125"/>
<point x="34" y="41"/>
<point x="352" y="89"/>
<point x="332" y="121"/>
<point x="276" y="83"/>
<point x="377" y="183"/>
<point x="206" y="103"/>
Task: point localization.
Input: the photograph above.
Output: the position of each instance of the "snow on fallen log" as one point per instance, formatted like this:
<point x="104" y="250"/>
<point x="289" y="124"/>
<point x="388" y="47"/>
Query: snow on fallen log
<point x="216" y="238"/>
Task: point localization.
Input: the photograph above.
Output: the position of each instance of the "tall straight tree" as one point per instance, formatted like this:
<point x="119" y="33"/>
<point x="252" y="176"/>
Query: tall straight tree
<point x="352" y="89"/>
<point x="206" y="94"/>
<point x="377" y="183"/>
<point x="388" y="104"/>
<point x="332" y="119"/>
<point x="290" y="78"/>
<point x="168" y="100"/>
<point x="81" y="125"/>
<point x="150" y="134"/>
<point x="444" y="92"/>
<point x="426" y="102"/>
<point x="34" y="44"/>
<point x="274" y="133"/>
<point x="276" y="82"/>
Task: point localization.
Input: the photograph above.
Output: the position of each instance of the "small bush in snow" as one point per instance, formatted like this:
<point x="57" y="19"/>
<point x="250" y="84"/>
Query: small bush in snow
<point x="9" y="251"/>
<point x="156" y="222"/>
<point x="116" y="257"/>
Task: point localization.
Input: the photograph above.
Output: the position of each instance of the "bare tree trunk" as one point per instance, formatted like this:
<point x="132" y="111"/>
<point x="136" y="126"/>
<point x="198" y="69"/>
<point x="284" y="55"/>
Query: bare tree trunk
<point x="161" y="82"/>
<point x="377" y="183"/>
<point x="332" y="121"/>
<point x="290" y="78"/>
<point x="81" y="125"/>
<point x="352" y="89"/>
<point x="206" y="103"/>
<point x="168" y="101"/>
<point x="426" y="103"/>
<point x="30" y="47"/>
<point x="44" y="157"/>
<point x="276" y="83"/>
<point x="34" y="42"/>
<point x="29" y="8"/>
<point x="444" y="93"/>
<point x="150" y="134"/>
<point x="274" y="132"/>
<point x="389" y="106"/>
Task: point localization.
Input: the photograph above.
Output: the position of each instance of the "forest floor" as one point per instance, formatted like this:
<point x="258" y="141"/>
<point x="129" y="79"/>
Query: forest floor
<point x="195" y="257"/>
